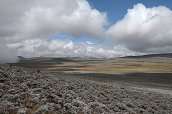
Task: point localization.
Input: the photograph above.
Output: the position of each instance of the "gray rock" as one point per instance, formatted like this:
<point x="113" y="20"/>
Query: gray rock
<point x="56" y="93"/>
<point x="22" y="111"/>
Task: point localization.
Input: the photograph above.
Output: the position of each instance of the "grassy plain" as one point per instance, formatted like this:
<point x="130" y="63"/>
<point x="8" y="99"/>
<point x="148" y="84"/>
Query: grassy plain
<point x="116" y="66"/>
<point x="148" y="72"/>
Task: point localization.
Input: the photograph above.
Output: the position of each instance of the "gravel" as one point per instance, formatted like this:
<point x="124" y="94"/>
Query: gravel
<point x="29" y="91"/>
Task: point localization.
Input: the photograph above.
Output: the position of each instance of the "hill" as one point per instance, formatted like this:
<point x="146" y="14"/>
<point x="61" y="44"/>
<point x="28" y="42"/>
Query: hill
<point x="43" y="60"/>
<point x="168" y="55"/>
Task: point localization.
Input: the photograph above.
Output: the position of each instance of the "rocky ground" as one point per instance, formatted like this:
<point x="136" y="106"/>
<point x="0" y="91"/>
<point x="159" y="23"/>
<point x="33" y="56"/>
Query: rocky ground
<point x="26" y="91"/>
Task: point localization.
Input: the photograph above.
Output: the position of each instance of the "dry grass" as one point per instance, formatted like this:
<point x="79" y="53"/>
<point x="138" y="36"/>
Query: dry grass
<point x="117" y="65"/>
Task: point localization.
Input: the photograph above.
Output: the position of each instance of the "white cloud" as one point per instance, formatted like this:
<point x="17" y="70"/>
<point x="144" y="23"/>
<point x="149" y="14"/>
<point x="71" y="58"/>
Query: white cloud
<point x="7" y="55"/>
<point x="74" y="17"/>
<point x="145" y="29"/>
<point x="26" y="25"/>
<point x="22" y="20"/>
<point x="67" y="48"/>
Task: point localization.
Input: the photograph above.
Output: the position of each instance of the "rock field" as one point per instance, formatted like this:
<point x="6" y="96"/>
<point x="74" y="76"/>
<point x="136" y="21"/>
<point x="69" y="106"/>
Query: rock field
<point x="28" y="91"/>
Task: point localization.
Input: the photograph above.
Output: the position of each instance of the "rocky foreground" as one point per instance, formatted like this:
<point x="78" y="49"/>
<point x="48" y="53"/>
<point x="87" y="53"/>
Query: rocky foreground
<point x="26" y="91"/>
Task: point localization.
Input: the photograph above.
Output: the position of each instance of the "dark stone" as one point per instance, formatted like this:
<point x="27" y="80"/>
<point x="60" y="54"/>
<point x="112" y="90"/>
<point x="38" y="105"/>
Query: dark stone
<point x="2" y="80"/>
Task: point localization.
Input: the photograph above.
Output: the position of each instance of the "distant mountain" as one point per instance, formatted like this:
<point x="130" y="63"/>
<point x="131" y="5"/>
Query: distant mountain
<point x="72" y="59"/>
<point x="43" y="60"/>
<point x="20" y="58"/>
<point x="168" y="55"/>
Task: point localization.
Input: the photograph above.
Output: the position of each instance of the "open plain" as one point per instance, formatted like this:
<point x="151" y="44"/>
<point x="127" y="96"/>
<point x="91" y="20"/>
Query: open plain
<point x="87" y="86"/>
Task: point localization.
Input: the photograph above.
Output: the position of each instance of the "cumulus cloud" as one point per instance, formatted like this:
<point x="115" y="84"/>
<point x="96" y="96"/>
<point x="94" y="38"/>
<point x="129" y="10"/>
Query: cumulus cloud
<point x="7" y="55"/>
<point x="41" y="18"/>
<point x="67" y="48"/>
<point x="25" y="28"/>
<point x="145" y="29"/>
<point x="24" y="20"/>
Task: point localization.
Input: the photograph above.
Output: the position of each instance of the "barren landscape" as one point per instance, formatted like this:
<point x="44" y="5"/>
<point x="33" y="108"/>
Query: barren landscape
<point x="52" y="86"/>
<point x="28" y="91"/>
<point x="85" y="57"/>
<point x="136" y="64"/>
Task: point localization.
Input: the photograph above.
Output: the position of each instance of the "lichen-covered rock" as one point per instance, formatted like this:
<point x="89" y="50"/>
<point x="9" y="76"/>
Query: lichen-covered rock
<point x="22" y="111"/>
<point x="28" y="91"/>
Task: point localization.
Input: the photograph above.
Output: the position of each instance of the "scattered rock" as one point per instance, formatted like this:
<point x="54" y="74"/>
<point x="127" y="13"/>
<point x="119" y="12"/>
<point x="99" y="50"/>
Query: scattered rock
<point x="22" y="111"/>
<point x="25" y="91"/>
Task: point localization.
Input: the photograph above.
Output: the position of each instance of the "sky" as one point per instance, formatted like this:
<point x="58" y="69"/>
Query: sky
<point x="84" y="28"/>
<point x="116" y="9"/>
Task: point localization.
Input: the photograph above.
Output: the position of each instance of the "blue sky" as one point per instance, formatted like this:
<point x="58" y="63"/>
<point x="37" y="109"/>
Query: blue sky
<point x="67" y="37"/>
<point x="116" y="9"/>
<point x="78" y="27"/>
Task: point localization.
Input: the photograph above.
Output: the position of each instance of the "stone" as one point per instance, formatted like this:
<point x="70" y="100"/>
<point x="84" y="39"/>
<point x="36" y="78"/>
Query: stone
<point x="22" y="111"/>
